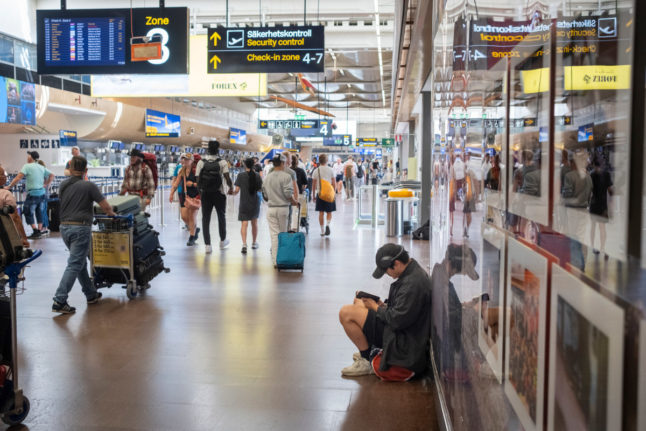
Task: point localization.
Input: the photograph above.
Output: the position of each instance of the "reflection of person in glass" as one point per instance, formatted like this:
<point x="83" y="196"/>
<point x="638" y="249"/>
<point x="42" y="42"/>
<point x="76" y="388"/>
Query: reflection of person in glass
<point x="456" y="183"/>
<point x="529" y="176"/>
<point x="601" y="189"/>
<point x="576" y="192"/>
<point x="470" y="195"/>
<point x="447" y="310"/>
<point x="492" y="179"/>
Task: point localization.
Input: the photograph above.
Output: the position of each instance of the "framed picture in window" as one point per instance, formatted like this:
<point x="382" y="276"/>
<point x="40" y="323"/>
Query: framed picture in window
<point x="527" y="274"/>
<point x="492" y="273"/>
<point x="586" y="357"/>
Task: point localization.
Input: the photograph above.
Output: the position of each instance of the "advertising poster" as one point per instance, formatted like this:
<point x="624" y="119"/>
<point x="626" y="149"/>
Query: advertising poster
<point x="586" y="357"/>
<point x="162" y="125"/>
<point x="237" y="136"/>
<point x="17" y="102"/>
<point x="490" y="324"/>
<point x="525" y="333"/>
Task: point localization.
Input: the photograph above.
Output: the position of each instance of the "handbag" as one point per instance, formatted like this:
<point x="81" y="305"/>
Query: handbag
<point x="326" y="191"/>
<point x="189" y="202"/>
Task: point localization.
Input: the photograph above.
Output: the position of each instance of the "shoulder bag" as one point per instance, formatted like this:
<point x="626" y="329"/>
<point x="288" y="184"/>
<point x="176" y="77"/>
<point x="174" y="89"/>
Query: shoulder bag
<point x="326" y="191"/>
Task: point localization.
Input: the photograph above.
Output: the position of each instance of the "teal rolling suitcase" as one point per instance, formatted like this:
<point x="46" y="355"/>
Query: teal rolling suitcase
<point x="291" y="251"/>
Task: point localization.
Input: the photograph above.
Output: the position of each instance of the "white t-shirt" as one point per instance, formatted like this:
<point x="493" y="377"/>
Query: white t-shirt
<point x="338" y="169"/>
<point x="324" y="172"/>
<point x="224" y="169"/>
<point x="458" y="169"/>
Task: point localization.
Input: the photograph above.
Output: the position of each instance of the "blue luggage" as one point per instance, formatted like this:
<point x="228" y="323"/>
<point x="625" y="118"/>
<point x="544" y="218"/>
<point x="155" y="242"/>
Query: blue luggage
<point x="291" y="250"/>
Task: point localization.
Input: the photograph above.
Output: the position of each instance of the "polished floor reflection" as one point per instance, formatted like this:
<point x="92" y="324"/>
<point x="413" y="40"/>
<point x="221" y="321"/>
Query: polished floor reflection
<point x="221" y="342"/>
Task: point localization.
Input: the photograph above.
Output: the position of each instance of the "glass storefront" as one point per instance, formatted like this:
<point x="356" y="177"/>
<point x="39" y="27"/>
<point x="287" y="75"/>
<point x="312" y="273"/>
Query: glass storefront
<point x="537" y="307"/>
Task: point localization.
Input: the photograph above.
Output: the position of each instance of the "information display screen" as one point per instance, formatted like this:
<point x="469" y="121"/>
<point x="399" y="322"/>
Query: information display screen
<point x="17" y="102"/>
<point x="337" y="141"/>
<point x="85" y="41"/>
<point x="97" y="41"/>
<point x="367" y="142"/>
<point x="67" y="138"/>
<point x="162" y="125"/>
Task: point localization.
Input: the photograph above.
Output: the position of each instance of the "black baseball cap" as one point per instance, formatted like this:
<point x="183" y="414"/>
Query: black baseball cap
<point x="386" y="256"/>
<point x="136" y="153"/>
<point x="34" y="154"/>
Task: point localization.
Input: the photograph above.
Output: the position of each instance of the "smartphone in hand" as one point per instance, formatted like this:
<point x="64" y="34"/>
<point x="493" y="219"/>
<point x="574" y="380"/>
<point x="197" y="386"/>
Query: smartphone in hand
<point x="361" y="294"/>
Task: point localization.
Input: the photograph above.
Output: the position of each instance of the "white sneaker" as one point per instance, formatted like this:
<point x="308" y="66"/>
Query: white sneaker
<point x="255" y="246"/>
<point x="224" y="244"/>
<point x="360" y="367"/>
<point x="208" y="249"/>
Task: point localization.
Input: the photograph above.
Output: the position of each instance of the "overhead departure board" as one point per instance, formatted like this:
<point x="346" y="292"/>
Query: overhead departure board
<point x="266" y="49"/>
<point x="85" y="41"/>
<point x="98" y="41"/>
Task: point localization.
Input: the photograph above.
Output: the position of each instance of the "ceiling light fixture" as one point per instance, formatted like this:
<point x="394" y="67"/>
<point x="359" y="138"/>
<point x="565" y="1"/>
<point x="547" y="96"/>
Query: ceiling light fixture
<point x="381" y="62"/>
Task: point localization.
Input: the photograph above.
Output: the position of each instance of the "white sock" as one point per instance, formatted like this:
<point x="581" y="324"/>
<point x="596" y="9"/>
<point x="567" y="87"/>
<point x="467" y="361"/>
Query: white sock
<point x="323" y="228"/>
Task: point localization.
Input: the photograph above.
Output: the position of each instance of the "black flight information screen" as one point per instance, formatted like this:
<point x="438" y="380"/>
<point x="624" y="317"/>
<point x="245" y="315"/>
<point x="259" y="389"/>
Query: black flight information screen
<point x="85" y="41"/>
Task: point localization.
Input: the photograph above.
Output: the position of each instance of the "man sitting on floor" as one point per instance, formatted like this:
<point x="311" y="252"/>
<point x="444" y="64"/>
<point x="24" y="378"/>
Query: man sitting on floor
<point x="400" y="327"/>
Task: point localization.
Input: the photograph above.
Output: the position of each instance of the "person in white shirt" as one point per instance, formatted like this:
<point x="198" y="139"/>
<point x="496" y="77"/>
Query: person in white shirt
<point x="323" y="171"/>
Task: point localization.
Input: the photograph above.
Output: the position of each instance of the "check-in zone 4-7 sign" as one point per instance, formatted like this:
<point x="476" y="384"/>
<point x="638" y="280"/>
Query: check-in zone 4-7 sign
<point x="266" y="49"/>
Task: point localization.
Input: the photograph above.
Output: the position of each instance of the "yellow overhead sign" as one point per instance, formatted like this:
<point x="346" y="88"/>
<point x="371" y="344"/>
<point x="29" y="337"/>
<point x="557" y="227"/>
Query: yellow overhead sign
<point x="597" y="77"/>
<point x="197" y="83"/>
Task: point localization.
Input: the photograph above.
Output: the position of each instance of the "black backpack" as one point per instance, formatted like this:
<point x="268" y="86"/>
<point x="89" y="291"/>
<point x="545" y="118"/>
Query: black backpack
<point x="423" y="232"/>
<point x="360" y="171"/>
<point x="210" y="176"/>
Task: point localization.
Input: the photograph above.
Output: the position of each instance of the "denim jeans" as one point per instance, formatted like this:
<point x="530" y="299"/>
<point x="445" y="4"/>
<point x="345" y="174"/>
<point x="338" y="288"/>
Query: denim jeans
<point x="32" y="206"/>
<point x="77" y="240"/>
<point x="43" y="211"/>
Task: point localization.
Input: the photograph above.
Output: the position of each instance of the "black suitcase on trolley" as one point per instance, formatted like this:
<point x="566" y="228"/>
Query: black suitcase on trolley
<point x="148" y="268"/>
<point x="141" y="224"/>
<point x="145" y="244"/>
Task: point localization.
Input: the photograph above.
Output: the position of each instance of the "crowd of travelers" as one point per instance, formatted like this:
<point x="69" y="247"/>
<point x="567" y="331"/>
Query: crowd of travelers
<point x="392" y="336"/>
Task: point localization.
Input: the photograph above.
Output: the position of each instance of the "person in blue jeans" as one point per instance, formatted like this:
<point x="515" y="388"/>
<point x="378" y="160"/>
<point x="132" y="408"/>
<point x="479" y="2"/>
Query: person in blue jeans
<point x="77" y="198"/>
<point x="37" y="180"/>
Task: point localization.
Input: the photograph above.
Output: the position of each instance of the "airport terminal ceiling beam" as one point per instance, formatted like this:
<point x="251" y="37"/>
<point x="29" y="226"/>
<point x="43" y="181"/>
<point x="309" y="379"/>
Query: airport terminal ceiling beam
<point x="419" y="63"/>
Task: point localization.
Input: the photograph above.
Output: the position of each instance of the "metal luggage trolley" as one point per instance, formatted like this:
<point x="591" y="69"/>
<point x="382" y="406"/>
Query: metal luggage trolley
<point x="14" y="405"/>
<point x="112" y="251"/>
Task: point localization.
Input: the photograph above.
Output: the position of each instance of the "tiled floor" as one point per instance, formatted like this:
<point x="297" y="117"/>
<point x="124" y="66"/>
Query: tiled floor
<point x="222" y="342"/>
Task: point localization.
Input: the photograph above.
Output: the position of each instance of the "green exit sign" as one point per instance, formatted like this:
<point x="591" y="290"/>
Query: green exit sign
<point x="387" y="142"/>
<point x="299" y="117"/>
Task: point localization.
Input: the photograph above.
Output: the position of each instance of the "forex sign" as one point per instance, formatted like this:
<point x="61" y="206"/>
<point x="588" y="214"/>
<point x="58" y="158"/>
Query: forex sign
<point x="266" y="49"/>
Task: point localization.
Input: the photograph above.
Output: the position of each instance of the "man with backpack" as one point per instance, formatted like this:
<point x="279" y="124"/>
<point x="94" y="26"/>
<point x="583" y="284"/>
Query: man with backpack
<point x="211" y="173"/>
<point x="139" y="178"/>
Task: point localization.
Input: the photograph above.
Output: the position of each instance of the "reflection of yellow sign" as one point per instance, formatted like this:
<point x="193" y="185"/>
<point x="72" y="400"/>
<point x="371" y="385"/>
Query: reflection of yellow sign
<point x="536" y="81"/>
<point x="111" y="250"/>
<point x="597" y="77"/>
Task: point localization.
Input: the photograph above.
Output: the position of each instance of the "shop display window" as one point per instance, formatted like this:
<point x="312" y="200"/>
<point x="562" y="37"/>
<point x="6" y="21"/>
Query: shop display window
<point x="531" y="116"/>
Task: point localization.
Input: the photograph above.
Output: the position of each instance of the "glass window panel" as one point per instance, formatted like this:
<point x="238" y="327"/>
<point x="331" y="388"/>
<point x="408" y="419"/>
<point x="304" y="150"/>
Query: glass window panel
<point x="6" y="50"/>
<point x="593" y="66"/>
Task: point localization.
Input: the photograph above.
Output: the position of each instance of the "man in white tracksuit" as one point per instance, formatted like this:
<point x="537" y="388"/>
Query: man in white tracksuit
<point x="278" y="189"/>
